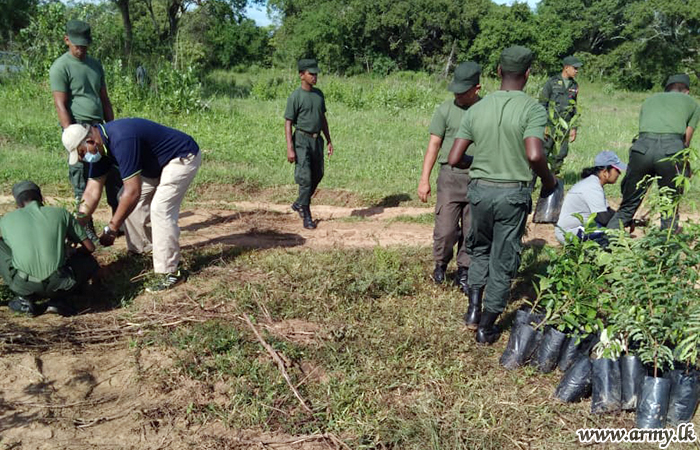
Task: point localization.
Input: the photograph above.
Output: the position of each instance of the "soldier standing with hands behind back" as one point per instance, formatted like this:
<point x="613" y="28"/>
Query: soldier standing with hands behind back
<point x="80" y="96"/>
<point x="306" y="111"/>
<point x="451" y="208"/>
<point x="507" y="128"/>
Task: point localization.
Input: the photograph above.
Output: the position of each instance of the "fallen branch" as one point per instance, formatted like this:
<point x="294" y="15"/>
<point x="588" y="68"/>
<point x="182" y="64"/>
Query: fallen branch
<point x="279" y="362"/>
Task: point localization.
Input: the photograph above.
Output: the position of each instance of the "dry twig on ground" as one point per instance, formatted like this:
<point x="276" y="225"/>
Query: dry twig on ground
<point x="280" y="363"/>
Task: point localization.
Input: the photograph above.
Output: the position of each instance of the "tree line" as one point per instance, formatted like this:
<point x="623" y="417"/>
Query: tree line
<point x="633" y="44"/>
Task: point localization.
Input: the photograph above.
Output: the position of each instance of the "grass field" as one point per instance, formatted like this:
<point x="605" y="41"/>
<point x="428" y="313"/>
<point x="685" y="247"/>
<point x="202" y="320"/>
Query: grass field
<point x="379" y="128"/>
<point x="377" y="351"/>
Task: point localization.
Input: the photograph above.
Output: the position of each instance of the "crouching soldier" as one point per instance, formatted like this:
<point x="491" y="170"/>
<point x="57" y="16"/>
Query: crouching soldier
<point x="34" y="259"/>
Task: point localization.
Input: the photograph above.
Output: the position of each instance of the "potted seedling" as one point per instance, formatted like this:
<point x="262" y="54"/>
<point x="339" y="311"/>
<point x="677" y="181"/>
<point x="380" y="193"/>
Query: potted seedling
<point x="572" y="295"/>
<point x="685" y="383"/>
<point x="606" y="380"/>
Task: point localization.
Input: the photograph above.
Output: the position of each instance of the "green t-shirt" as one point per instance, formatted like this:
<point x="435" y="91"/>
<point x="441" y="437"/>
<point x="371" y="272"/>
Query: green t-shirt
<point x="306" y="109"/>
<point x="445" y="125"/>
<point x="37" y="236"/>
<point x="498" y="125"/>
<point x="82" y="81"/>
<point x="668" y="113"/>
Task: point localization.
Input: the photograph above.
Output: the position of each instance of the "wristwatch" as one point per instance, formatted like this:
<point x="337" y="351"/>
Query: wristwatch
<point x="109" y="232"/>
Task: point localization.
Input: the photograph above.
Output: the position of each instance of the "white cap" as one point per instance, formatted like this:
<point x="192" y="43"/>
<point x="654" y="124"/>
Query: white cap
<point x="73" y="136"/>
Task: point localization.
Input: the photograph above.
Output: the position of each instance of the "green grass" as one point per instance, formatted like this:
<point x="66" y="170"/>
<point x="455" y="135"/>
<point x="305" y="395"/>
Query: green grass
<point x="379" y="129"/>
<point x="389" y="364"/>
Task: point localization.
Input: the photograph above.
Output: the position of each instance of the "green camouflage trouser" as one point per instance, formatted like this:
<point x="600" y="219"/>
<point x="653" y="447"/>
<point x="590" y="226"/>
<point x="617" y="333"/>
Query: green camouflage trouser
<point x="308" y="170"/>
<point x="494" y="243"/>
<point x="646" y="155"/>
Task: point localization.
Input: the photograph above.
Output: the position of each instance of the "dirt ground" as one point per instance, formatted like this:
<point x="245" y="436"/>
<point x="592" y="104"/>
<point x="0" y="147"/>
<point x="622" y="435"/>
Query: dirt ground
<point x="76" y="383"/>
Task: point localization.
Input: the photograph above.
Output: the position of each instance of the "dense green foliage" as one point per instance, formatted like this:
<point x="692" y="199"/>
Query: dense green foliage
<point x="634" y="44"/>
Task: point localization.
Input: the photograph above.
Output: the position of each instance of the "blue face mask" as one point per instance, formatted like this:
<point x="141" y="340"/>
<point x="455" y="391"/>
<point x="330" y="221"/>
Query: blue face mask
<point x="92" y="158"/>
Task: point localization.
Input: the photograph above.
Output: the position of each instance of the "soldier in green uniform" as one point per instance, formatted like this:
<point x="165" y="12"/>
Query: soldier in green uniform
<point x="507" y="130"/>
<point x="560" y="93"/>
<point x="666" y="124"/>
<point x="451" y="208"/>
<point x="80" y="96"/>
<point x="33" y="259"/>
<point x="306" y="112"/>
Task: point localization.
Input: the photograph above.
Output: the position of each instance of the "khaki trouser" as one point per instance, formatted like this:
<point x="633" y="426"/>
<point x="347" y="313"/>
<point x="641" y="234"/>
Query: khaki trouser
<point x="452" y="216"/>
<point x="160" y="204"/>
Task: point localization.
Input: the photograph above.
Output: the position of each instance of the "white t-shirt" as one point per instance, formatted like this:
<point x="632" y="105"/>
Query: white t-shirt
<point x="585" y="197"/>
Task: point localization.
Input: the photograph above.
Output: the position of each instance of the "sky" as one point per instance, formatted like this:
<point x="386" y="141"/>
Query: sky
<point x="259" y="14"/>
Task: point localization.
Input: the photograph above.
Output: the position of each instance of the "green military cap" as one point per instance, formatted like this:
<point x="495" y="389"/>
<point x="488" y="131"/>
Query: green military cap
<point x="310" y="65"/>
<point x="516" y="59"/>
<point x="79" y="32"/>
<point x="572" y="61"/>
<point x="466" y="77"/>
<point x="678" y="78"/>
<point x="24" y="186"/>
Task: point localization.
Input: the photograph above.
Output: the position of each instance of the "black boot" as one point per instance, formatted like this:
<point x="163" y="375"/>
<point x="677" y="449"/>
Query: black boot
<point x="439" y="273"/>
<point x="297" y="207"/>
<point x="309" y="223"/>
<point x="487" y="333"/>
<point x="473" y="315"/>
<point x="461" y="279"/>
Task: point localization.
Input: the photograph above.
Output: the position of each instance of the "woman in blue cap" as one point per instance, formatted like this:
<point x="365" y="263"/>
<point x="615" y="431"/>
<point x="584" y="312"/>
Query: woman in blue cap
<point x="587" y="197"/>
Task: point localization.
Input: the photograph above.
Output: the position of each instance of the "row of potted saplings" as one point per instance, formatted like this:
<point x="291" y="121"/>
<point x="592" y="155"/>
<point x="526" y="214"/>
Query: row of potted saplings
<point x="593" y="367"/>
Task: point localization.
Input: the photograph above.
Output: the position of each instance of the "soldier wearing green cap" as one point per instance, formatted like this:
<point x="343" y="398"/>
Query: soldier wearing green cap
<point x="507" y="130"/>
<point x="80" y="96"/>
<point x="34" y="261"/>
<point x="451" y="207"/>
<point x="559" y="96"/>
<point x="666" y="124"/>
<point x="306" y="112"/>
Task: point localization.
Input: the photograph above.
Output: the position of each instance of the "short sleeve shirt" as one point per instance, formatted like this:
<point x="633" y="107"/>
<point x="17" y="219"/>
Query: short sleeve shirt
<point x="306" y="109"/>
<point x="668" y="113"/>
<point x="585" y="197"/>
<point x="37" y="237"/>
<point x="498" y="125"/>
<point x="445" y="124"/>
<point x="82" y="81"/>
<point x="140" y="146"/>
